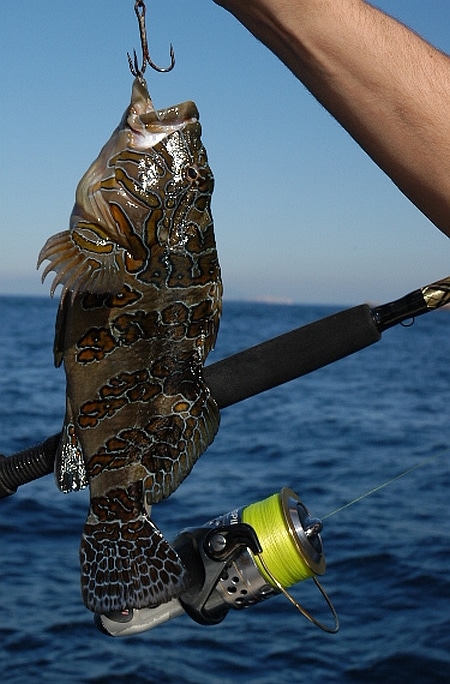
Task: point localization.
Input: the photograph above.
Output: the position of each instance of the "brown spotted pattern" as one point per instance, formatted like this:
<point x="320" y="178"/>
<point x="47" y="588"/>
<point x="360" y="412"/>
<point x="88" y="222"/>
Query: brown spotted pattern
<point x="139" y="313"/>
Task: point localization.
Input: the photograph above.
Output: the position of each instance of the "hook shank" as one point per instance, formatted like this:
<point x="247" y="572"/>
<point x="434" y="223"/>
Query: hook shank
<point x="140" y="9"/>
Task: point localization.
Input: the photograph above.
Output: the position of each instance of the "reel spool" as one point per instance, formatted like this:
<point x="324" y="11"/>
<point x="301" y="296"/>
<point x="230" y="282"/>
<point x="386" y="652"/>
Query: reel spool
<point x="289" y="550"/>
<point x="236" y="561"/>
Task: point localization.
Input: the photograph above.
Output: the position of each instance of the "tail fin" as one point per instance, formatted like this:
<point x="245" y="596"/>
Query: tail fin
<point x="128" y="565"/>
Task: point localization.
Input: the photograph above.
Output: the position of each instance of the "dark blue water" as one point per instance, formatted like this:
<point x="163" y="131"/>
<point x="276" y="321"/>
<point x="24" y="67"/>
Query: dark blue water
<point x="330" y="436"/>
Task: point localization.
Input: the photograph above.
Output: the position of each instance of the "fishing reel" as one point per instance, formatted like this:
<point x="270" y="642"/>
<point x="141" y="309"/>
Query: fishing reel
<point x="236" y="561"/>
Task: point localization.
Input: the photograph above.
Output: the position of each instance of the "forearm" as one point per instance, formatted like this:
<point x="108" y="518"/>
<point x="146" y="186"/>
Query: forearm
<point x="383" y="83"/>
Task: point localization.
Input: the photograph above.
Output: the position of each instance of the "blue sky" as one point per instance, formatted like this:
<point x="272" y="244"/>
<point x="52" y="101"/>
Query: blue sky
<point x="301" y="213"/>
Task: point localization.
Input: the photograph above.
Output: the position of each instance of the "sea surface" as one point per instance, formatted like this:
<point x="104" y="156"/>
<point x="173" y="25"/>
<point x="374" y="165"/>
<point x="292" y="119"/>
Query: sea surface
<point x="331" y="436"/>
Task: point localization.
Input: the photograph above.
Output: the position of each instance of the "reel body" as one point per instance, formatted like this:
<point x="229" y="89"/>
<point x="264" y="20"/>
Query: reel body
<point x="235" y="561"/>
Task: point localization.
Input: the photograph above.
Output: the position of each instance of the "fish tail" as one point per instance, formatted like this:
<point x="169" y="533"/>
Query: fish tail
<point x="128" y="565"/>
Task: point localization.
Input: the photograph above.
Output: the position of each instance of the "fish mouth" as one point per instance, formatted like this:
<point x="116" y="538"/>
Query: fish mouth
<point x="149" y="125"/>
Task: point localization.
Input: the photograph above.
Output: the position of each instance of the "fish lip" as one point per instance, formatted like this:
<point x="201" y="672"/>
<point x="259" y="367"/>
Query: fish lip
<point x="185" y="112"/>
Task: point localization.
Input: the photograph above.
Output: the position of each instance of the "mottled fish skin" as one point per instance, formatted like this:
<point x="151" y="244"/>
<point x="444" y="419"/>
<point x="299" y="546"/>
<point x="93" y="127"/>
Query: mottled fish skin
<point x="139" y="313"/>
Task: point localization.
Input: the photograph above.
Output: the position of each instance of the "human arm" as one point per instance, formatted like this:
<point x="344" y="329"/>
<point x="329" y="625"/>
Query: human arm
<point x="388" y="87"/>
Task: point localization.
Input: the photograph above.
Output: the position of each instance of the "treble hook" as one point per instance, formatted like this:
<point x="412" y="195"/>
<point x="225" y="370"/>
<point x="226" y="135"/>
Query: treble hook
<point x="139" y="9"/>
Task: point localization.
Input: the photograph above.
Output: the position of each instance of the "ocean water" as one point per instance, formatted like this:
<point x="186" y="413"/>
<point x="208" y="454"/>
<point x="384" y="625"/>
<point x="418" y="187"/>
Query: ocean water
<point x="331" y="436"/>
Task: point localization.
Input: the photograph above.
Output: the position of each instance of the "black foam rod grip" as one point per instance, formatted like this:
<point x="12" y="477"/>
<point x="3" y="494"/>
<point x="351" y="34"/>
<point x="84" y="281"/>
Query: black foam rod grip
<point x="237" y="377"/>
<point x="291" y="355"/>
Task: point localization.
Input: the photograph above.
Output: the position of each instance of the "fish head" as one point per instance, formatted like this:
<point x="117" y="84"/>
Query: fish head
<point x="135" y="200"/>
<point x="169" y="156"/>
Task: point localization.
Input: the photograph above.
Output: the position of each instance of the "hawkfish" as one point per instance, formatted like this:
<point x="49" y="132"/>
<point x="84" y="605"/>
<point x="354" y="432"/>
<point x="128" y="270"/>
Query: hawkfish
<point x="139" y="313"/>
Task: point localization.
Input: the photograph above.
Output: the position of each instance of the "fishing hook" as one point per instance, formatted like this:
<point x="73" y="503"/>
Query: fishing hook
<point x="139" y="9"/>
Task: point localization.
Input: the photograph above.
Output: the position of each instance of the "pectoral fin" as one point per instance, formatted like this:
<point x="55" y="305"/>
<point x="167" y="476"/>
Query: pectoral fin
<point x="70" y="470"/>
<point x="78" y="268"/>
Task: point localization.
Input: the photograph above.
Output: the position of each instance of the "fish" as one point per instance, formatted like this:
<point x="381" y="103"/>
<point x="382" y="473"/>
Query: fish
<point x="139" y="313"/>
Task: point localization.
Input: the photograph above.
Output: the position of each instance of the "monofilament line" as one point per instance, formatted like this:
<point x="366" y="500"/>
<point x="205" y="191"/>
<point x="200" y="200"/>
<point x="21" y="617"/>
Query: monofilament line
<point x="385" y="484"/>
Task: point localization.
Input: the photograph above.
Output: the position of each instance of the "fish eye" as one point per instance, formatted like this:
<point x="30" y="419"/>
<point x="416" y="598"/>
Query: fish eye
<point x="192" y="173"/>
<point x="197" y="176"/>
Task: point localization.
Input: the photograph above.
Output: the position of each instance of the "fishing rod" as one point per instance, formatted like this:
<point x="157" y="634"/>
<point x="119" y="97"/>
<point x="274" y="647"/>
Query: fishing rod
<point x="266" y="365"/>
<point x="258" y="551"/>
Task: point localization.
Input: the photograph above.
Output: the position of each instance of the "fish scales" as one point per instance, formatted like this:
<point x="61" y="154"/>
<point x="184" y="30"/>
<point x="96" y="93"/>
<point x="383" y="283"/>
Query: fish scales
<point x="140" y="310"/>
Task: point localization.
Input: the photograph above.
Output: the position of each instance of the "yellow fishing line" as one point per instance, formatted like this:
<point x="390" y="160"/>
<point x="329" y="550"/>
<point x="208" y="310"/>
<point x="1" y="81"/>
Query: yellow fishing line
<point x="280" y="553"/>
